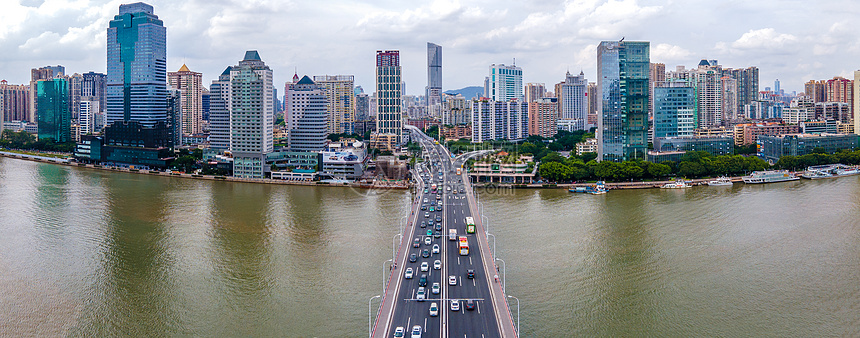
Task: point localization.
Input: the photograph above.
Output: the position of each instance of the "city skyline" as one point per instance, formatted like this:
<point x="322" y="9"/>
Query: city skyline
<point x="547" y="38"/>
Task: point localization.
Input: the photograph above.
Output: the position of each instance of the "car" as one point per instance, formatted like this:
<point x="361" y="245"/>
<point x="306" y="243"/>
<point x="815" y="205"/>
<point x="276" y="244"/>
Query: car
<point x="439" y="208"/>
<point x="425" y="190"/>
<point x="426" y="214"/>
<point x="438" y="226"/>
<point x="439" y="203"/>
<point x="425" y="253"/>
<point x="423" y="207"/>
<point x="416" y="331"/>
<point x="416" y="243"/>
<point x="421" y="295"/>
<point x="470" y="273"/>
<point x="455" y="191"/>
<point x="398" y="332"/>
<point x="413" y="258"/>
<point x="452" y="280"/>
<point x="423" y="225"/>
<point x="429" y="232"/>
<point x="428" y="240"/>
<point x="448" y="188"/>
<point x="435" y="248"/>
<point x="455" y="305"/>
<point x="437" y="234"/>
<point x="434" y="310"/>
<point x="438" y="218"/>
<point x="425" y="199"/>
<point x="470" y="305"/>
<point x="432" y="209"/>
<point x="408" y="273"/>
<point x="437" y="265"/>
<point x="423" y="280"/>
<point x="436" y="288"/>
<point x="425" y="266"/>
<point x="462" y="191"/>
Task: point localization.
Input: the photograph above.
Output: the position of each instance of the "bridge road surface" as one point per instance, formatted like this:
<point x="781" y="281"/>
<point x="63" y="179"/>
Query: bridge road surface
<point x="400" y="307"/>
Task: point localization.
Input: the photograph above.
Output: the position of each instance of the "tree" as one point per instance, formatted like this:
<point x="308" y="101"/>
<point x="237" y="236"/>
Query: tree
<point x="553" y="157"/>
<point x="586" y="157"/>
<point x="787" y="162"/>
<point x="185" y="163"/>
<point x="606" y="170"/>
<point x="555" y="171"/>
<point x="630" y="170"/>
<point x="658" y="170"/>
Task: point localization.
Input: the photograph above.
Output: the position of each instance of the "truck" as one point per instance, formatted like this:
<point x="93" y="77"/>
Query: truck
<point x="452" y="234"/>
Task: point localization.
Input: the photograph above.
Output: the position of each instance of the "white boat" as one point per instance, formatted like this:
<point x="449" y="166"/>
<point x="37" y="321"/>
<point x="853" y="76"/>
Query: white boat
<point x="721" y="181"/>
<point x="596" y="189"/>
<point x="829" y="171"/>
<point x="679" y="184"/>
<point x="769" y="176"/>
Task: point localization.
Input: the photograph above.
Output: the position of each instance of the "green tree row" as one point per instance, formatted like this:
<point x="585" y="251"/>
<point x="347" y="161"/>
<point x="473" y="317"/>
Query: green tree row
<point x="25" y="140"/>
<point x="556" y="168"/>
<point x="818" y="157"/>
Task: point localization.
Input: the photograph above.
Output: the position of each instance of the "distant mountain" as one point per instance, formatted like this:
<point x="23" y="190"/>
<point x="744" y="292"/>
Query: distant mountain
<point x="468" y="92"/>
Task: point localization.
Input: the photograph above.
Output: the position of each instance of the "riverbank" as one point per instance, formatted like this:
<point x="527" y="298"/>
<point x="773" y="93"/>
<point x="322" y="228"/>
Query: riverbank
<point x="609" y="186"/>
<point x="70" y="163"/>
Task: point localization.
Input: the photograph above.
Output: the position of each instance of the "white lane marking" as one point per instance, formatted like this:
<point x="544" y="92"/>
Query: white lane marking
<point x="460" y="280"/>
<point x="470" y="260"/>
<point x="425" y="324"/>
<point x="478" y="306"/>
<point x="473" y="282"/>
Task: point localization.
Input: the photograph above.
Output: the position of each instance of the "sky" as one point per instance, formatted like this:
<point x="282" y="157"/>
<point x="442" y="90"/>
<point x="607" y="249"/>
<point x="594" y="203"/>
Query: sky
<point x="793" y="41"/>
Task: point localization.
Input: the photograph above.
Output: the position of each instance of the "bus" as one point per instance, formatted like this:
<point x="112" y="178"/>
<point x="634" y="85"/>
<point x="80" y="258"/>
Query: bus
<point x="464" y="246"/>
<point x="458" y="171"/>
<point x="470" y="225"/>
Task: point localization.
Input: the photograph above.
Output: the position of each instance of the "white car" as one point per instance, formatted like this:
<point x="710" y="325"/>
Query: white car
<point x="455" y="305"/>
<point x="435" y="248"/>
<point x="421" y="295"/>
<point x="436" y="288"/>
<point x="416" y="331"/>
<point x="408" y="274"/>
<point x="425" y="266"/>
<point x="437" y="265"/>
<point x="452" y="280"/>
<point x="399" y="331"/>
<point x="428" y="240"/>
<point x="434" y="310"/>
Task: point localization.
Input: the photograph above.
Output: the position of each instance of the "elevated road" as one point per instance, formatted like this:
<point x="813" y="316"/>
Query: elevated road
<point x="488" y="314"/>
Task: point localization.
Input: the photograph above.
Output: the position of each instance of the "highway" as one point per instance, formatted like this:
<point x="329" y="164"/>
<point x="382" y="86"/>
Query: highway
<point x="404" y="309"/>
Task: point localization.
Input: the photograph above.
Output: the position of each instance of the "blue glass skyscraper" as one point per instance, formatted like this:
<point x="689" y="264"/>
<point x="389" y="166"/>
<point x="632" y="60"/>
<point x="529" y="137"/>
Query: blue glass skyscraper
<point x="137" y="67"/>
<point x="622" y="106"/>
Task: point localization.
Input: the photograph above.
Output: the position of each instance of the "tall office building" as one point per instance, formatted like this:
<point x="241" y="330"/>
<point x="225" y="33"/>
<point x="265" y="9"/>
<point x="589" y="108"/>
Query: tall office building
<point x="252" y="116"/>
<point x="190" y="84"/>
<point x="675" y="107"/>
<point x="76" y="82"/>
<point x="456" y="110"/>
<point x="175" y="115"/>
<point x="136" y="85"/>
<point x="592" y="105"/>
<point x="572" y="97"/>
<point x="815" y="90"/>
<point x="499" y="120"/>
<point x="839" y="89"/>
<point x="204" y="107"/>
<point x="339" y="91"/>
<point x="434" y="80"/>
<point x="55" y="118"/>
<point x="622" y="87"/>
<point x="219" y="111"/>
<point x="709" y="86"/>
<point x="543" y="115"/>
<point x="94" y="85"/>
<point x="856" y="98"/>
<point x="362" y="107"/>
<point x="505" y="83"/>
<point x="535" y="91"/>
<point x="747" y="83"/>
<point x="14" y="101"/>
<point x="307" y="115"/>
<point x="389" y="117"/>
<point x="36" y="74"/>
<point x="89" y="113"/>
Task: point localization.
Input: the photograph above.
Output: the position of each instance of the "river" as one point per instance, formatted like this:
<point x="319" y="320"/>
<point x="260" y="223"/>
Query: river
<point x="93" y="253"/>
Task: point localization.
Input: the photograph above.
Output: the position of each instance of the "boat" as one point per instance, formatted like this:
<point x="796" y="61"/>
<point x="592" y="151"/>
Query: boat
<point x="829" y="171"/>
<point x="721" y="181"/>
<point x="598" y="188"/>
<point x="679" y="184"/>
<point x="769" y="176"/>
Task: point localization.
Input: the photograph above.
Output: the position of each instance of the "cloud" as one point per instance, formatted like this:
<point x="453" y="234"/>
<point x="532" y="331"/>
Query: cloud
<point x="765" y="38"/>
<point x="665" y="52"/>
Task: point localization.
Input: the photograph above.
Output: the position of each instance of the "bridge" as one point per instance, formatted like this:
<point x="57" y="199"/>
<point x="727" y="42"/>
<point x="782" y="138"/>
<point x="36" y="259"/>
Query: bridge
<point x="470" y="280"/>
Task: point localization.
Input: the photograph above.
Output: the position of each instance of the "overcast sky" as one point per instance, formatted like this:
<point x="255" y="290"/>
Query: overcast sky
<point x="793" y="41"/>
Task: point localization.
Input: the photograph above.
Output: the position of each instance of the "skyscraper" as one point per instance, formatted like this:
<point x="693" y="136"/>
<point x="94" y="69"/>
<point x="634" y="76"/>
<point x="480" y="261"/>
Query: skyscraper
<point x="219" y="111"/>
<point x="505" y="83"/>
<point x="572" y="97"/>
<point x="252" y="115"/>
<point x="137" y="70"/>
<point x="339" y="91"/>
<point x="674" y="108"/>
<point x="15" y="103"/>
<point x="746" y="81"/>
<point x="55" y="119"/>
<point x="307" y="115"/>
<point x="434" y="79"/>
<point x="94" y="85"/>
<point x="389" y="117"/>
<point x="535" y="91"/>
<point x="190" y="84"/>
<point x="622" y="87"/>
<point x="36" y="74"/>
<point x="856" y="99"/>
<point x="543" y="114"/>
<point x="499" y="120"/>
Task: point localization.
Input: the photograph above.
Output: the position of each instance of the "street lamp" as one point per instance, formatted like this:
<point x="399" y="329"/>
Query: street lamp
<point x="518" y="314"/>
<point x="494" y="244"/>
<point x="504" y="273"/>
<point x="383" y="274"/>
<point x="369" y="322"/>
<point x="394" y="245"/>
